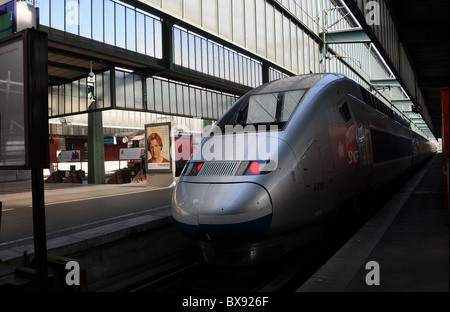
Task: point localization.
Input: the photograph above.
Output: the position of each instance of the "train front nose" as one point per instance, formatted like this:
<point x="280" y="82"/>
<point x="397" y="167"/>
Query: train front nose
<point x="222" y="211"/>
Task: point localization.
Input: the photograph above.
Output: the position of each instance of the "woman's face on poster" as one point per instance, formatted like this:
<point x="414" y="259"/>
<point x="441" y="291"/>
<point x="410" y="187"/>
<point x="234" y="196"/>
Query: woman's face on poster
<point x="155" y="149"/>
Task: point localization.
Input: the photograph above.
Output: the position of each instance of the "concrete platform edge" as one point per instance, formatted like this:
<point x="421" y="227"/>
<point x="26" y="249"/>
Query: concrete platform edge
<point x="337" y="273"/>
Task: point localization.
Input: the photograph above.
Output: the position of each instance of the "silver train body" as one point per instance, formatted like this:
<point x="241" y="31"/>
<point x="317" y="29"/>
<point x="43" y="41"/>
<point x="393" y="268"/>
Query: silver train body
<point x="324" y="140"/>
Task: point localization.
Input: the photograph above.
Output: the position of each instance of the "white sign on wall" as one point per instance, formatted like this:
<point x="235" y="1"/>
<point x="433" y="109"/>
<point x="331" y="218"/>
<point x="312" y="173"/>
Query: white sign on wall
<point x="68" y="156"/>
<point x="131" y="153"/>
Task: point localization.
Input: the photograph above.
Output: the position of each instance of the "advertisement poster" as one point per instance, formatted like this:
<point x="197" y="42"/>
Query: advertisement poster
<point x="158" y="146"/>
<point x="12" y="114"/>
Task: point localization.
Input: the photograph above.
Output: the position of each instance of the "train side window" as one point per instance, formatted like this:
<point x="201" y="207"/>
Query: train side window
<point x="344" y="110"/>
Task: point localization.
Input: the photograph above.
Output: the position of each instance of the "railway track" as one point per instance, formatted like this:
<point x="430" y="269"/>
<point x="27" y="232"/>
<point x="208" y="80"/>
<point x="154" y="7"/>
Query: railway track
<point x="284" y="274"/>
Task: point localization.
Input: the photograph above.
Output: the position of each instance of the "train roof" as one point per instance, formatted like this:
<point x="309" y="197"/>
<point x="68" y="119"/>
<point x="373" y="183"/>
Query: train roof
<point x="292" y="83"/>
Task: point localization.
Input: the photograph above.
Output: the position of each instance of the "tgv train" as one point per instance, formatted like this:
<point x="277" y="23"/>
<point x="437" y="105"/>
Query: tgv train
<point x="284" y="157"/>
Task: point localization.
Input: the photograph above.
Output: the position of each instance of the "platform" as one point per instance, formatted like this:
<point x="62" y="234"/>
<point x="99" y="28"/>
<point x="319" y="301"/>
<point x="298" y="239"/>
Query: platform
<point x="114" y="232"/>
<point x="408" y="239"/>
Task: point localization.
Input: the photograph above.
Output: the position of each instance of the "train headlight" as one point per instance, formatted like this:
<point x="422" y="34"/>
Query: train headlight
<point x="258" y="167"/>
<point x="193" y="168"/>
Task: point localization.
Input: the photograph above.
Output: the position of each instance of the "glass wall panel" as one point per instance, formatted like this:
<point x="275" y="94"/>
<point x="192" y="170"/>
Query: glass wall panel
<point x="138" y="92"/>
<point x="184" y="50"/>
<point x="109" y="18"/>
<point x="54" y="91"/>
<point x="172" y="98"/>
<point x="131" y="119"/>
<point x="220" y="105"/>
<point x="67" y="98"/>
<point x="150" y="94"/>
<point x="177" y="46"/>
<point x="193" y="103"/>
<point x="71" y="16"/>
<point x="83" y="95"/>
<point x="61" y="106"/>
<point x="198" y="54"/>
<point x="97" y="20"/>
<point x="221" y="63"/>
<point x="75" y="96"/>
<point x="158" y="39"/>
<point x="210" y="56"/>
<point x="198" y="103"/>
<point x="107" y="89"/>
<point x="241" y="69"/>
<point x="204" y="103"/>
<point x="131" y="29"/>
<point x="86" y="18"/>
<point x="105" y="21"/>
<point x="244" y="71"/>
<point x="150" y="36"/>
<point x="129" y="90"/>
<point x="192" y="52"/>
<point x="158" y="95"/>
<point x="226" y="64"/>
<point x="44" y="12"/>
<point x="180" y="107"/>
<point x="216" y="98"/>
<point x="165" y="96"/>
<point x="238" y="67"/>
<point x="209" y="103"/>
<point x="50" y="101"/>
<point x="120" y="89"/>
<point x="186" y="101"/>
<point x="205" y="56"/>
<point x="120" y="26"/>
<point x="57" y="16"/>
<point x="182" y="99"/>
<point x="99" y="90"/>
<point x="140" y="33"/>
<point x="216" y="60"/>
<point x="72" y="97"/>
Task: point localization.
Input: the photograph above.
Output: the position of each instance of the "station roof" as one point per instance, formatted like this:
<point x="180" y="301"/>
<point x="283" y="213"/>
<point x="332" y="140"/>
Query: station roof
<point x="424" y="33"/>
<point x="422" y="27"/>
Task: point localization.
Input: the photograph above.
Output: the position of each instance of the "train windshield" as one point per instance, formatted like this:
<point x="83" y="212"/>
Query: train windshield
<point x="267" y="109"/>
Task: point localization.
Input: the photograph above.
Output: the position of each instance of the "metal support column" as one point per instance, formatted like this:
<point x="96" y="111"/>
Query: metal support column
<point x="96" y="148"/>
<point x="39" y="226"/>
<point x="265" y="72"/>
<point x="167" y="41"/>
